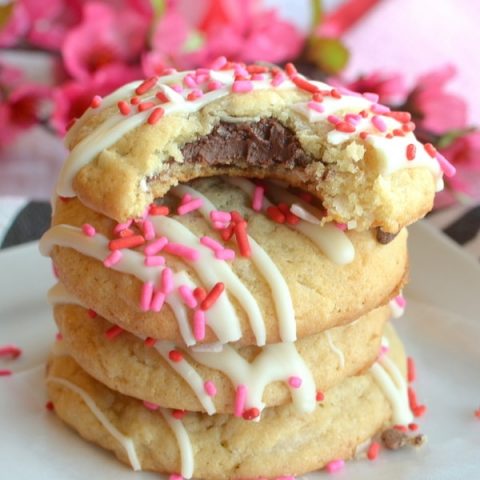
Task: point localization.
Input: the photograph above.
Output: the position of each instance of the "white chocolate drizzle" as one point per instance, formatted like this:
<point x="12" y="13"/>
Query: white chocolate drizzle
<point x="183" y="441"/>
<point x="125" y="442"/>
<point x="335" y="350"/>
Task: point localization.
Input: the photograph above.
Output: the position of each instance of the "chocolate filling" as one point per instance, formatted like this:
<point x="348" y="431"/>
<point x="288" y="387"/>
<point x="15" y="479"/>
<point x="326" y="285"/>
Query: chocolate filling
<point x="262" y="144"/>
<point x="385" y="237"/>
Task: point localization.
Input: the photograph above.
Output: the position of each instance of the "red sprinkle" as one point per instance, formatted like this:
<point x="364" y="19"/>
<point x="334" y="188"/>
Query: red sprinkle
<point x="147" y="85"/>
<point x="430" y="149"/>
<point x="135" y="100"/>
<point x="49" y="406"/>
<point x="113" y="332"/>
<point x="10" y="351"/>
<point x="212" y="296"/>
<point x="150" y="342"/>
<point x="402" y="117"/>
<point x="335" y="93"/>
<point x="413" y="427"/>
<point x="257" y="69"/>
<point x="236" y="217"/>
<point x="96" y="101"/>
<point x="156" y="115"/>
<point x="127" y="242"/>
<point x="412" y="398"/>
<point x="128" y="232"/>
<point x="156" y="210"/>
<point x="91" y="313"/>
<point x="251" y="413"/>
<point x="162" y="97"/>
<point x="319" y="397"/>
<point x="178" y="414"/>
<point x="145" y="106"/>
<point x="124" y="107"/>
<point x="240" y="231"/>
<point x="363" y="135"/>
<point x="411" y="371"/>
<point x="227" y="233"/>
<point x="477" y="413"/>
<point x="411" y="151"/>
<point x="345" y="127"/>
<point x="373" y="451"/>
<point x="304" y="84"/>
<point x="200" y="294"/>
<point x="291" y="70"/>
<point x="5" y="373"/>
<point x="419" y="410"/>
<point x="317" y="97"/>
<point x="408" y="127"/>
<point x="175" y="356"/>
<point x="401" y="428"/>
<point x="275" y="214"/>
<point x="398" y="132"/>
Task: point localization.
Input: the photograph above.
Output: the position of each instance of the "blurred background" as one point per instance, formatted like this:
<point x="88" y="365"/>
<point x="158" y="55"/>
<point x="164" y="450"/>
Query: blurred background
<point x="417" y="55"/>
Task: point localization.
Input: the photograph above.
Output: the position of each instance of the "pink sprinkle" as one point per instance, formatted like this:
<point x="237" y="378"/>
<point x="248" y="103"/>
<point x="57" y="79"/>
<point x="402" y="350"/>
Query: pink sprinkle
<point x="199" y="324"/>
<point x="194" y="204"/>
<point x="214" y="85"/>
<point x="335" y="466"/>
<point x="218" y="63"/>
<point x="225" y="254"/>
<point x="373" y="97"/>
<point x="154" y="261"/>
<point x="187" y="296"/>
<point x="318" y="107"/>
<point x="379" y="123"/>
<point x="182" y="251"/>
<point x="175" y="476"/>
<point x="211" y="243"/>
<point x="240" y="399"/>
<point x="113" y="258"/>
<point x="185" y="199"/>
<point x="220" y="225"/>
<point x="157" y="302"/>
<point x="242" y="86"/>
<point x="295" y="382"/>
<point x="146" y="296"/>
<point x="202" y="71"/>
<point x="379" y="108"/>
<point x="285" y="477"/>
<point x="148" y="230"/>
<point x="220" y="216"/>
<point x="259" y="77"/>
<point x="383" y="351"/>
<point x="257" y="201"/>
<point x="447" y="168"/>
<point x="353" y="118"/>
<point x="122" y="226"/>
<point x="241" y="70"/>
<point x="210" y="388"/>
<point x="88" y="230"/>
<point x="58" y="337"/>
<point x="150" y="405"/>
<point x="400" y="301"/>
<point x="167" y="281"/>
<point x="333" y="119"/>
<point x="176" y="88"/>
<point x="154" y="247"/>
<point x="201" y="77"/>
<point x="5" y="372"/>
<point x="341" y="226"/>
<point x="189" y="81"/>
<point x="96" y="101"/>
<point x="278" y="79"/>
<point x="168" y="71"/>
<point x="10" y="351"/>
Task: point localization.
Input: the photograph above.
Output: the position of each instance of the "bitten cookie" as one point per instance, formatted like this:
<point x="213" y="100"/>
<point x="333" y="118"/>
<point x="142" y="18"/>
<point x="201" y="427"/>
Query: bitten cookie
<point x="298" y="279"/>
<point x="222" y="447"/>
<point x="362" y="160"/>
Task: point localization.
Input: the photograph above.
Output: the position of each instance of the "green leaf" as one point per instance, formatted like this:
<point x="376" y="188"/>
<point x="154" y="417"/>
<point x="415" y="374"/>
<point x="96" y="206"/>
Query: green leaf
<point x="449" y="137"/>
<point x="158" y="8"/>
<point x="317" y="12"/>
<point x="194" y="41"/>
<point x="5" y="13"/>
<point x="328" y="54"/>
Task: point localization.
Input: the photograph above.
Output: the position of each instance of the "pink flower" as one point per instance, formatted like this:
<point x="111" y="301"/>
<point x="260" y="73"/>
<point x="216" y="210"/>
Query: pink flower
<point x="74" y="97"/>
<point x="434" y="109"/>
<point x="16" y="26"/>
<point x="390" y="87"/>
<point x="105" y="37"/>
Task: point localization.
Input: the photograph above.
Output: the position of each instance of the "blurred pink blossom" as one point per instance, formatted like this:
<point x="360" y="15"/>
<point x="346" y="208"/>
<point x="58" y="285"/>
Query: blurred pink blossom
<point x="16" y="26"/>
<point x="436" y="110"/>
<point x="106" y="36"/>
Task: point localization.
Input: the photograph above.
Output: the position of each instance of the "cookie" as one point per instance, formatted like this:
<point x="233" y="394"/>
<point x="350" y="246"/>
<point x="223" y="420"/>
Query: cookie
<point x="297" y="279"/>
<point x="221" y="447"/>
<point x="128" y="365"/>
<point x="362" y="160"/>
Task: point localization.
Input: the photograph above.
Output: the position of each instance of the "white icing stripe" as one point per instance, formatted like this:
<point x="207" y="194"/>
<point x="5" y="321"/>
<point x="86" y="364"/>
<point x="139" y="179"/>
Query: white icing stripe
<point x="125" y="442"/>
<point x="336" y="350"/>
<point x="276" y="362"/>
<point x="272" y="275"/>
<point x="188" y="373"/>
<point x="331" y="241"/>
<point x="183" y="441"/>
<point x="58" y="295"/>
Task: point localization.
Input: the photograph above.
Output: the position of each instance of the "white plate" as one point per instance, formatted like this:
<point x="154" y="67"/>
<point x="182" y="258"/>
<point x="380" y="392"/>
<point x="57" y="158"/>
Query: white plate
<point x="441" y="330"/>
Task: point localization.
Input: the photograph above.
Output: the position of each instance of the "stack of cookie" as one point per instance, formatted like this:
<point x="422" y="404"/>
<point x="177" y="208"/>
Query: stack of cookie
<point x="229" y="244"/>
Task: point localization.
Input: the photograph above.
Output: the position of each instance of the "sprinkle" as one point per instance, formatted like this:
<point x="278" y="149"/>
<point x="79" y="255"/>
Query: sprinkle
<point x="214" y="85"/>
<point x="373" y="450"/>
<point x="430" y="149"/>
<point x="333" y="119"/>
<point x="157" y="302"/>
<point x="379" y="108"/>
<point x="419" y="410"/>
<point x="335" y="93"/>
<point x="148" y="230"/>
<point x="237" y="217"/>
<point x="258" y="77"/>
<point x="178" y="414"/>
<point x="49" y="406"/>
<point x="210" y="388"/>
<point x="212" y="296"/>
<point x="156" y="210"/>
<point x="402" y="117"/>
<point x="398" y="132"/>
<point x="113" y="258"/>
<point x="413" y="427"/>
<point x="257" y="68"/>
<point x="447" y="168"/>
<point x="156" y="246"/>
<point x="91" y="313"/>
<point x="199" y="324"/>
<point x="353" y="118"/>
<point x="150" y="342"/>
<point x="277" y="79"/>
<point x="227" y="233"/>
<point x="175" y="356"/>
<point x="363" y="135"/>
<point x="150" y="405"/>
<point x="400" y="301"/>
<point x="408" y="127"/>
<point x="242" y="86"/>
<point x="162" y="97"/>
<point x="5" y="372"/>
<point x="147" y="85"/>
<point x="240" y="399"/>
<point x="411" y="371"/>
<point x="146" y="296"/>
<point x="257" y="200"/>
<point x="96" y="101"/>
<point x="290" y="218"/>
<point x="317" y="107"/>
<point x="156" y="115"/>
<point x="412" y="398"/>
<point x="275" y="214"/>
<point x="218" y="63"/>
<point x="176" y="88"/>
<point x="300" y="212"/>
<point x="373" y="97"/>
<point x="186" y="294"/>
<point x="219" y="216"/>
<point x="88" y="230"/>
<point x="241" y="70"/>
<point x="154" y="261"/>
<point x="401" y="428"/>
<point x="128" y="232"/>
<point x="295" y="382"/>
<point x="290" y="69"/>
<point x="121" y="226"/>
<point x="58" y="337"/>
<point x="128" y="242"/>
<point x="341" y="226"/>
<point x="225" y="254"/>
<point x="199" y="293"/>
<point x="135" y="100"/>
<point x="194" y="204"/>
<point x="251" y="413"/>
<point x="113" y="332"/>
<point x="477" y="412"/>
<point x="175" y="476"/>
<point x="320" y="396"/>
<point x="304" y="84"/>
<point x="181" y="250"/>
<point x="10" y="351"/>
<point x="189" y="81"/>
<point x="194" y="94"/>
<point x="379" y="123"/>
<point x="241" y="236"/>
<point x="167" y="281"/>
<point x="124" y="107"/>
<point x="335" y="466"/>
<point x="411" y="151"/>
<point x="211" y="243"/>
<point x="145" y="106"/>
<point x="345" y="127"/>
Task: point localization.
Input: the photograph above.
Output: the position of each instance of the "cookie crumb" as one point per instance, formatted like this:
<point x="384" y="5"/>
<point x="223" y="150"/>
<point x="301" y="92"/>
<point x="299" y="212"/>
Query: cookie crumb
<point x="393" y="439"/>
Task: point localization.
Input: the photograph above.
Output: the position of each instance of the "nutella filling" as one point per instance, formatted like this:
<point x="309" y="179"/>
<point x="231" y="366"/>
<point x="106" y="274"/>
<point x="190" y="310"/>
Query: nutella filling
<point x="385" y="237"/>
